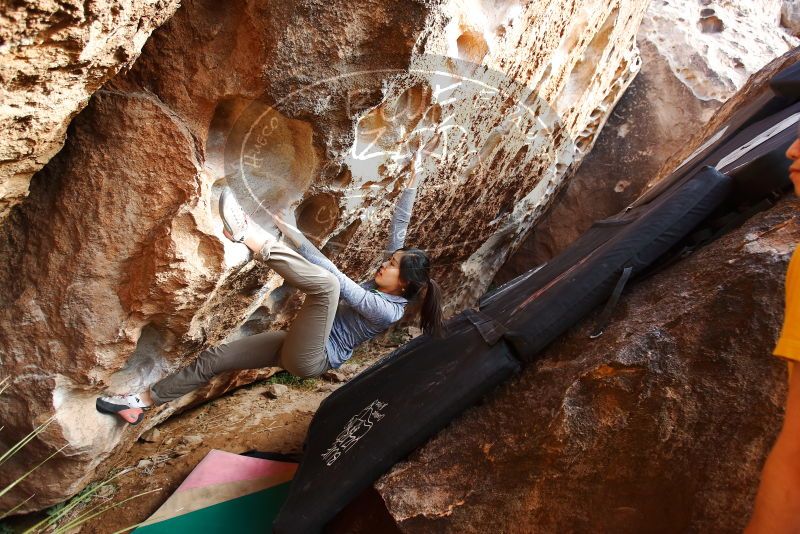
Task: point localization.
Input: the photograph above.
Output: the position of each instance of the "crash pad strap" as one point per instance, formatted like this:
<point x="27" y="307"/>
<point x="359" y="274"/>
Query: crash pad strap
<point x="612" y="303"/>
<point x="491" y="330"/>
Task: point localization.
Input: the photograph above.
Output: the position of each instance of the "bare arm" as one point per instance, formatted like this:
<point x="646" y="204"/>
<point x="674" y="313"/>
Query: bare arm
<point x="777" y="508"/>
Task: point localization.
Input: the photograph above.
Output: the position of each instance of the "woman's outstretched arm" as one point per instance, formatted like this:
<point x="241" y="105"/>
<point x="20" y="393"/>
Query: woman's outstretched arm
<point x="405" y="204"/>
<point x="363" y="297"/>
<point x="400" y="219"/>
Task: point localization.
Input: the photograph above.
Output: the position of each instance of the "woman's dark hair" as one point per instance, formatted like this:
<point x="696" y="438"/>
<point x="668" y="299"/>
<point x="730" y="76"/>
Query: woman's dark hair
<point x="415" y="271"/>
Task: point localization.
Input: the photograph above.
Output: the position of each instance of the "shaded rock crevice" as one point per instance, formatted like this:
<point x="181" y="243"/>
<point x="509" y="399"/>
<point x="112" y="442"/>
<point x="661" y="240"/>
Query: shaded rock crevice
<point x="653" y="119"/>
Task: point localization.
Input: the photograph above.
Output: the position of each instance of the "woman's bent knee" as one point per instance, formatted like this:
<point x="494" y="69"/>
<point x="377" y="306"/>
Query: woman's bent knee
<point x="306" y="369"/>
<point x="333" y="284"/>
<point x="323" y="283"/>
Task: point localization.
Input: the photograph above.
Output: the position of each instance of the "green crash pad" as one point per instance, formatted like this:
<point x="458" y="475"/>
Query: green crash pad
<point x="225" y="493"/>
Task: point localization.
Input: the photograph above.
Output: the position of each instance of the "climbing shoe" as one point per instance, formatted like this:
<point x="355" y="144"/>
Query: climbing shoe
<point x="129" y="407"/>
<point x="234" y="219"/>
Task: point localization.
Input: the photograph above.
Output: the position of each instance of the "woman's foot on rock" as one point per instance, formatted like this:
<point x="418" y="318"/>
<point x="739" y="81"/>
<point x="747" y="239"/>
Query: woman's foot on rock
<point x="238" y="227"/>
<point x="234" y="220"/>
<point x="129" y="407"/>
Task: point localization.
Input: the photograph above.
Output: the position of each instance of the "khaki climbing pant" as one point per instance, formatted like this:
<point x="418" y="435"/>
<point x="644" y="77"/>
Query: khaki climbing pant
<point x="300" y="350"/>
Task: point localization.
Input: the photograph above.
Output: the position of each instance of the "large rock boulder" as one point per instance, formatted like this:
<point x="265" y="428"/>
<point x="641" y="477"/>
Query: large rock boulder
<point x="662" y="424"/>
<point x="114" y="271"/>
<point x="53" y="57"/>
<point x="693" y="60"/>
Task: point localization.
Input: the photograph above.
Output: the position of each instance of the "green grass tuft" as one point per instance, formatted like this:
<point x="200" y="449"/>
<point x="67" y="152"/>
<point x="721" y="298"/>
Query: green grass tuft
<point x="288" y="379"/>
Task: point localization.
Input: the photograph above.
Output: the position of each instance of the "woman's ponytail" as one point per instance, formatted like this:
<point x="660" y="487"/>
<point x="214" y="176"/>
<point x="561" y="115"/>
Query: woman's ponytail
<point x="415" y="271"/>
<point x="431" y="314"/>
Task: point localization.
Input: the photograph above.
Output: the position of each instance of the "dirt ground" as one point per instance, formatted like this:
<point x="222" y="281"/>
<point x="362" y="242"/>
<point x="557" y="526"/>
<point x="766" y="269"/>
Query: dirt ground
<point x="243" y="420"/>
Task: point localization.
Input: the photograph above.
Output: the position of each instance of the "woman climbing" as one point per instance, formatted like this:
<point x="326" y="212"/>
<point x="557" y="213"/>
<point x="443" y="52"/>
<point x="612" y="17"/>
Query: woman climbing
<point x="325" y="330"/>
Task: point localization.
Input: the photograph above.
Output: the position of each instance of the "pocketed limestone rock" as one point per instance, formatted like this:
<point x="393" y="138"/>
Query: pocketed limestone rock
<point x="687" y="73"/>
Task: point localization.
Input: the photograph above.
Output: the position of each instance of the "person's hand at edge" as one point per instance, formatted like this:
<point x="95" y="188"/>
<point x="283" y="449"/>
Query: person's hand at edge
<point x="286" y="223"/>
<point x="415" y="177"/>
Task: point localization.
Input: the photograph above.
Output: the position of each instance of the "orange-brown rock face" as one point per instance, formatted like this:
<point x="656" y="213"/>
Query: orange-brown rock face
<point x="53" y="56"/>
<point x="114" y="271"/>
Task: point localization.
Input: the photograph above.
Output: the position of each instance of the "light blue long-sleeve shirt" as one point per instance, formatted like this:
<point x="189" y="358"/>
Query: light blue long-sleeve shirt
<point x="363" y="311"/>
